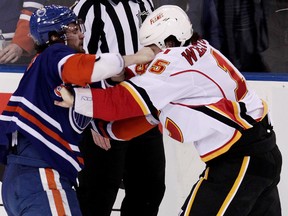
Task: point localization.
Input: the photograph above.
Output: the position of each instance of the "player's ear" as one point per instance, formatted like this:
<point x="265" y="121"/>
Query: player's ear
<point x="54" y="37"/>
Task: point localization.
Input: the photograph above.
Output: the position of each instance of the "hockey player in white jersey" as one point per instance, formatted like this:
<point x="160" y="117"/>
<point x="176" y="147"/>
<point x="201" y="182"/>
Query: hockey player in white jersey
<point x="198" y="96"/>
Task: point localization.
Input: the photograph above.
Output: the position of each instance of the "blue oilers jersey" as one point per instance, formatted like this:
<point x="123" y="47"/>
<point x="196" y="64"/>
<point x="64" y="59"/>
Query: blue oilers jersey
<point x="53" y="131"/>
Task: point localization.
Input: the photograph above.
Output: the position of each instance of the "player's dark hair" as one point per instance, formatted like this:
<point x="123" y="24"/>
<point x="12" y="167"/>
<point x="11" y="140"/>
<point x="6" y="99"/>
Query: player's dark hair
<point x="195" y="37"/>
<point x="172" y="39"/>
<point x="59" y="36"/>
<point x="191" y="40"/>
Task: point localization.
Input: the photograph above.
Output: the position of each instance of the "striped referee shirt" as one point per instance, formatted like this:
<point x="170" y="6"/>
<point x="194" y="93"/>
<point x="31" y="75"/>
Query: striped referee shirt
<point x="112" y="25"/>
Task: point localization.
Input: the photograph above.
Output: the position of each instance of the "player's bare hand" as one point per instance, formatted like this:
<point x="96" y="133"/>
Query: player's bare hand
<point x="10" y="54"/>
<point x="101" y="141"/>
<point x="143" y="56"/>
<point x="68" y="98"/>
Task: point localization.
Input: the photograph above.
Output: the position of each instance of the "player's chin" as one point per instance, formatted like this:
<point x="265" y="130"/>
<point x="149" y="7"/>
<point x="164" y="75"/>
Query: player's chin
<point x="80" y="49"/>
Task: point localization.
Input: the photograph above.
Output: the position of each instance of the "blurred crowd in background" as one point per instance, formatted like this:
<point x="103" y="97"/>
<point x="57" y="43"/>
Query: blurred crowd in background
<point x="252" y="34"/>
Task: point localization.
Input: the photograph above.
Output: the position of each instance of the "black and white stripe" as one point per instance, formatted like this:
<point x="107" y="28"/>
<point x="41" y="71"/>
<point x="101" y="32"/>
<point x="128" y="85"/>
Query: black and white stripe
<point x="112" y="25"/>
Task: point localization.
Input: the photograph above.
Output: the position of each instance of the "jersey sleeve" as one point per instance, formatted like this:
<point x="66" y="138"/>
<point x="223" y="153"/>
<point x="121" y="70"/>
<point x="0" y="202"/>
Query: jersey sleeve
<point x="83" y="69"/>
<point x="125" y="129"/>
<point x="125" y="100"/>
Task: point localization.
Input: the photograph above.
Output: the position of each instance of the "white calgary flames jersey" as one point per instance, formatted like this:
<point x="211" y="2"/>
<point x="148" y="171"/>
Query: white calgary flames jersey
<point x="197" y="91"/>
<point x="201" y="97"/>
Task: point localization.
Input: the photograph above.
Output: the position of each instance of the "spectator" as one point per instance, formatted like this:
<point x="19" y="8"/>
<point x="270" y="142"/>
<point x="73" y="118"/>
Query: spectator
<point x="16" y="28"/>
<point x="244" y="25"/>
<point x="43" y="155"/>
<point x="237" y="28"/>
<point x="199" y="97"/>
<point x="276" y="56"/>
<point x="112" y="26"/>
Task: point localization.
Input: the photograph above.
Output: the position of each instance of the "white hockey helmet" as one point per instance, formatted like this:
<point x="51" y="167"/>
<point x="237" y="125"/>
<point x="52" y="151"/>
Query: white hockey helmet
<point x="165" y="21"/>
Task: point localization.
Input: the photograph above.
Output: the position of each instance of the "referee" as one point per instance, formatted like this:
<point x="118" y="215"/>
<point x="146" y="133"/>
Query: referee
<point x="112" y="26"/>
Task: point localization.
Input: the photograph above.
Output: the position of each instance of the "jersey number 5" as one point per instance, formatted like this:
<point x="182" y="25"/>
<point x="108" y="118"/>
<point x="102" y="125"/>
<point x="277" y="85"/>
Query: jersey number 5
<point x="159" y="66"/>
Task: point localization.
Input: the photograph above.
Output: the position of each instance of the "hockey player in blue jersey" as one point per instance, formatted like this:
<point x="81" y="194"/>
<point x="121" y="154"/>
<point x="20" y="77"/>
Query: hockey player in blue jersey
<point x="42" y="139"/>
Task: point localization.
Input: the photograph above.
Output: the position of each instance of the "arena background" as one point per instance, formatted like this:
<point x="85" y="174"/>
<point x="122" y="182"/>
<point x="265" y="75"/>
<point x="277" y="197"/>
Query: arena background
<point x="183" y="163"/>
